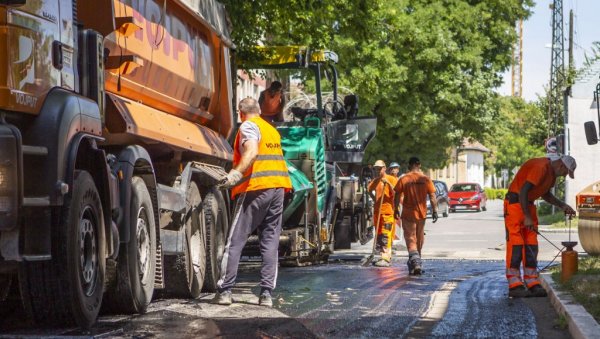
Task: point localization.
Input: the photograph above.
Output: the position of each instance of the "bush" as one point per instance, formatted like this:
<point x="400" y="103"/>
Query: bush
<point x="544" y="208"/>
<point x="495" y="193"/>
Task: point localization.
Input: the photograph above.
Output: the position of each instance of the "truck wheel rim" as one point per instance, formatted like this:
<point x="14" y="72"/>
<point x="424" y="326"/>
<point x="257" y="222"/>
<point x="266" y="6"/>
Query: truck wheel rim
<point x="143" y="240"/>
<point x="195" y="244"/>
<point x="88" y="251"/>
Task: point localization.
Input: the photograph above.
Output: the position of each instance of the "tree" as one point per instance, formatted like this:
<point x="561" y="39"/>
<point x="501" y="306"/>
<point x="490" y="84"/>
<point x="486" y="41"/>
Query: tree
<point x="426" y="69"/>
<point x="517" y="135"/>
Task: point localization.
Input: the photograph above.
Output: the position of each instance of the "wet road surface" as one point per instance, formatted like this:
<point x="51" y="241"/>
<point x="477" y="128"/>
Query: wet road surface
<point x="453" y="298"/>
<point x="458" y="296"/>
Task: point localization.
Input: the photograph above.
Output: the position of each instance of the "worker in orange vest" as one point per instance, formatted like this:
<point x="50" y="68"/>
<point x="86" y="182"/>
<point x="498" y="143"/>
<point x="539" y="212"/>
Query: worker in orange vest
<point x="272" y="102"/>
<point x="383" y="185"/>
<point x="413" y="188"/>
<point x="394" y="170"/>
<point x="259" y="178"/>
<point x="534" y="179"/>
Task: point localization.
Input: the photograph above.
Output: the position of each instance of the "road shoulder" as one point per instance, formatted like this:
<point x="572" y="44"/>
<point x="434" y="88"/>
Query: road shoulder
<point x="581" y="323"/>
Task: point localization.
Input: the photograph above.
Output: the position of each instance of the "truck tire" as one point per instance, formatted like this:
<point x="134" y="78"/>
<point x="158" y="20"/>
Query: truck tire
<point x="68" y="288"/>
<point x="136" y="265"/>
<point x="217" y="231"/>
<point x="184" y="273"/>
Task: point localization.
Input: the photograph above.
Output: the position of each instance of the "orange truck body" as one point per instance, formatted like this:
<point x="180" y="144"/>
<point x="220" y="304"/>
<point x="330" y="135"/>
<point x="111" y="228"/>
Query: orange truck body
<point x="170" y="81"/>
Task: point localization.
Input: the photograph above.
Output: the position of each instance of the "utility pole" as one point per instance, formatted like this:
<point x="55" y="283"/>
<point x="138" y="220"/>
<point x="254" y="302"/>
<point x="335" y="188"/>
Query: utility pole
<point x="557" y="70"/>
<point x="517" y="63"/>
<point x="568" y="83"/>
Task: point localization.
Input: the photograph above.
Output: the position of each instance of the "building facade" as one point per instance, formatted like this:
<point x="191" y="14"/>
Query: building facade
<point x="581" y="108"/>
<point x="466" y="165"/>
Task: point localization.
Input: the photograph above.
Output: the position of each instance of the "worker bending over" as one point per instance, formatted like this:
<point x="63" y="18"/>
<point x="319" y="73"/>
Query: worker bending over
<point x="271" y="102"/>
<point x="534" y="179"/>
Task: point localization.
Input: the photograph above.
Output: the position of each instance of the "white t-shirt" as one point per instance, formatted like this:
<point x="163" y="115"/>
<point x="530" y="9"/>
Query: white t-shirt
<point x="248" y="131"/>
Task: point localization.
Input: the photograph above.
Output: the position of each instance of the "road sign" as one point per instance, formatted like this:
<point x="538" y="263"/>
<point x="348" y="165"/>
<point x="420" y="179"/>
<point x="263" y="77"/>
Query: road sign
<point x="551" y="146"/>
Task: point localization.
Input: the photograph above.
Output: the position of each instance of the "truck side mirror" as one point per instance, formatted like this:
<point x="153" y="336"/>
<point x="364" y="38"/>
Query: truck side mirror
<point x="12" y="2"/>
<point x="590" y="133"/>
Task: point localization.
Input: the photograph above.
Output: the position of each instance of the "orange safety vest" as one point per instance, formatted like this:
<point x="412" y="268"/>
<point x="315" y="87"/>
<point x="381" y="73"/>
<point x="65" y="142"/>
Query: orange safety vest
<point x="268" y="169"/>
<point x="271" y="103"/>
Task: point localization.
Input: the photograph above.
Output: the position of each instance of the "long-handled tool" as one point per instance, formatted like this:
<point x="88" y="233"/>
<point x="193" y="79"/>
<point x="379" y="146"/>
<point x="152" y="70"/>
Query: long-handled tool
<point x="369" y="259"/>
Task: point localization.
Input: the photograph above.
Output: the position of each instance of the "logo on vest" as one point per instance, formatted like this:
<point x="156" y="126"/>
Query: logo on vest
<point x="272" y="145"/>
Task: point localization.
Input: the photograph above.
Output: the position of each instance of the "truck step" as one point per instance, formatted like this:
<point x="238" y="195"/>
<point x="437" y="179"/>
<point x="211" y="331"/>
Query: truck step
<point x="36" y="201"/>
<point x="159" y="282"/>
<point x="37" y="257"/>
<point x="39" y="151"/>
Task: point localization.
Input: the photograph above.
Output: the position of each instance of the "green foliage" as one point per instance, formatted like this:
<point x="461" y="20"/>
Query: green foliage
<point x="547" y="218"/>
<point x="425" y="68"/>
<point x="516" y="136"/>
<point x="584" y="286"/>
<point x="495" y="193"/>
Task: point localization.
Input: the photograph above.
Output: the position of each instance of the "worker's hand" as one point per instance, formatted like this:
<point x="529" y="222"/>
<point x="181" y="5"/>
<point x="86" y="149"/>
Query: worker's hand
<point x="396" y="214"/>
<point x="434" y="216"/>
<point x="231" y="179"/>
<point x="568" y="210"/>
<point x="528" y="223"/>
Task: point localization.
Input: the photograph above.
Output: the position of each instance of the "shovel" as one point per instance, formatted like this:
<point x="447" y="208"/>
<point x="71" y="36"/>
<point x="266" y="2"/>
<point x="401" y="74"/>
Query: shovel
<point x="369" y="259"/>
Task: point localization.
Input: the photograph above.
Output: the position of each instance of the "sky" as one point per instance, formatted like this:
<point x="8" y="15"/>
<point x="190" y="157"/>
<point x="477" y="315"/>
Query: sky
<point x="537" y="37"/>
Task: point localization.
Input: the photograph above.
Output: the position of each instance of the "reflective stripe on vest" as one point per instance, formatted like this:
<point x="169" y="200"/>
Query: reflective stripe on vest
<point x="268" y="169"/>
<point x="271" y="103"/>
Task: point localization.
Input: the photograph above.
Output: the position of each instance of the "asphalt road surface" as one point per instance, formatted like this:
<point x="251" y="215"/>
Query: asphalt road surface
<point x="462" y="294"/>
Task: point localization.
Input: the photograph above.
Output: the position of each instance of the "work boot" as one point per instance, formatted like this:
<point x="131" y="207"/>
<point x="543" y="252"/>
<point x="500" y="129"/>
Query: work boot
<point x="538" y="291"/>
<point x="411" y="269"/>
<point x="265" y="298"/>
<point x="381" y="263"/>
<point x="417" y="266"/>
<point x="519" y="292"/>
<point x="222" y="298"/>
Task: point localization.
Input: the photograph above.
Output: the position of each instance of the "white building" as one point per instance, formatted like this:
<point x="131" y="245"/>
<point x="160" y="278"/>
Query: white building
<point x="466" y="165"/>
<point x="249" y="88"/>
<point x="582" y="108"/>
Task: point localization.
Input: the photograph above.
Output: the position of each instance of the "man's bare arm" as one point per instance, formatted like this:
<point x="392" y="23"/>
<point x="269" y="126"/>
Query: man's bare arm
<point x="433" y="201"/>
<point x="523" y="198"/>
<point x="551" y="199"/>
<point x="249" y="154"/>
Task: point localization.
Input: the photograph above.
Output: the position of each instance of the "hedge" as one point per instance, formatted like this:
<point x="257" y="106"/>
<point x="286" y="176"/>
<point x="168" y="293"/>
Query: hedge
<point x="495" y="193"/>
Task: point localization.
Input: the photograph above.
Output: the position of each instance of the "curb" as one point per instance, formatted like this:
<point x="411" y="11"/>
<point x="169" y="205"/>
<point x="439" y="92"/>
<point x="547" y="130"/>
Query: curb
<point x="581" y="324"/>
<point x="556" y="230"/>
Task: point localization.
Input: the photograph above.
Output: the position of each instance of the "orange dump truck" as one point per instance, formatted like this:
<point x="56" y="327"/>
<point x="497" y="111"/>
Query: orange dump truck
<point x="114" y="120"/>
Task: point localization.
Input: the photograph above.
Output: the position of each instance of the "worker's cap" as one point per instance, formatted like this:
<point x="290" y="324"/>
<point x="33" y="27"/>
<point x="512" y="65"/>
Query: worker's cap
<point x="394" y="165"/>
<point x="414" y="161"/>
<point x="379" y="163"/>
<point x="570" y="163"/>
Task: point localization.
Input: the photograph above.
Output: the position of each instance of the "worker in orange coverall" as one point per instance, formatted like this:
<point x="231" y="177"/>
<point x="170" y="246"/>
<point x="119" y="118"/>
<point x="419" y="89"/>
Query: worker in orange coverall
<point x="534" y="179"/>
<point x="413" y="188"/>
<point x="383" y="185"/>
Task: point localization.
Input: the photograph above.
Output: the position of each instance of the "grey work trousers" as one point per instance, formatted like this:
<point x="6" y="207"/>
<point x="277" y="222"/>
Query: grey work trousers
<point x="262" y="209"/>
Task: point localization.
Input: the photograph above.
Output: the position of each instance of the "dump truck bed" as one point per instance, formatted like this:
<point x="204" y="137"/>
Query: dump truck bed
<point x="165" y="60"/>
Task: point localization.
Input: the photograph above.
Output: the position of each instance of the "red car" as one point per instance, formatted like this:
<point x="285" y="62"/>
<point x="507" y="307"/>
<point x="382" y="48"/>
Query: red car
<point x="467" y="196"/>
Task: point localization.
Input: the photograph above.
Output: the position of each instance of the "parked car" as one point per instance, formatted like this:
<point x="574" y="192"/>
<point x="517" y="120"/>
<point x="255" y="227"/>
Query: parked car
<point x="467" y="196"/>
<point x="441" y="194"/>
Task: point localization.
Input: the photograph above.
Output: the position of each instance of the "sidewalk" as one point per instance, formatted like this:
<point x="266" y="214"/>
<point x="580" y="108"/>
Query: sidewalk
<point x="581" y="323"/>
